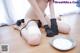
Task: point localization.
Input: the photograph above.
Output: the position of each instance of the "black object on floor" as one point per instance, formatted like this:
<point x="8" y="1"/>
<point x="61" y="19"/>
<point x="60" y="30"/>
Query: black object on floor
<point x="22" y="20"/>
<point x="54" y="27"/>
<point x="18" y="23"/>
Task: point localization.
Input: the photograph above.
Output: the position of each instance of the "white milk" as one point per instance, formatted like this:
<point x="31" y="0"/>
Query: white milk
<point x="62" y="43"/>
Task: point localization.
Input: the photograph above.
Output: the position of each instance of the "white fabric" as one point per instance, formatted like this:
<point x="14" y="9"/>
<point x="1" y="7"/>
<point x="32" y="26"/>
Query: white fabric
<point x="3" y="14"/>
<point x="13" y="10"/>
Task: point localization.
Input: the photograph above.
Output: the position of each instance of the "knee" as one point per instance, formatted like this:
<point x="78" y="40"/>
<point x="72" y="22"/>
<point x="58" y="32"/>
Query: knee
<point x="64" y="28"/>
<point x="32" y="37"/>
<point x="32" y="34"/>
<point x="34" y="41"/>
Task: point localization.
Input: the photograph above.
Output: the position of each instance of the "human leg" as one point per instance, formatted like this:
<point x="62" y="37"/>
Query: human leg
<point x="63" y="27"/>
<point x="31" y="32"/>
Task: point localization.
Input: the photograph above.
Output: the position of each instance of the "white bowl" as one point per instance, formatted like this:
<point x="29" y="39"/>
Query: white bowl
<point x="62" y="43"/>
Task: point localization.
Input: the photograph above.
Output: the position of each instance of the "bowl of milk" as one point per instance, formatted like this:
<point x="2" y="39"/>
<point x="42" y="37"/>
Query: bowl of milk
<point x="62" y="43"/>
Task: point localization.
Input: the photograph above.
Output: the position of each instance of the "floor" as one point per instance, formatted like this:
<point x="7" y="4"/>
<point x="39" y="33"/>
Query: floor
<point x="18" y="45"/>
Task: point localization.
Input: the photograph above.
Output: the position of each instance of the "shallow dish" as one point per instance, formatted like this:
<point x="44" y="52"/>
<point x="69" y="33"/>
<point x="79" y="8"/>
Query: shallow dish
<point x="62" y="43"/>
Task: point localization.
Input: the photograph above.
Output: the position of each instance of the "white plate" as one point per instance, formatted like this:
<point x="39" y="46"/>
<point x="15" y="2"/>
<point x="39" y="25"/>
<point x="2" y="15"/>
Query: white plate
<point x="62" y="43"/>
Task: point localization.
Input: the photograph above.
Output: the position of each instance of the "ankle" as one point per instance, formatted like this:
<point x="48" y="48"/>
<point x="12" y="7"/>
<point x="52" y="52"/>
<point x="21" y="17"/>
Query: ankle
<point x="46" y="26"/>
